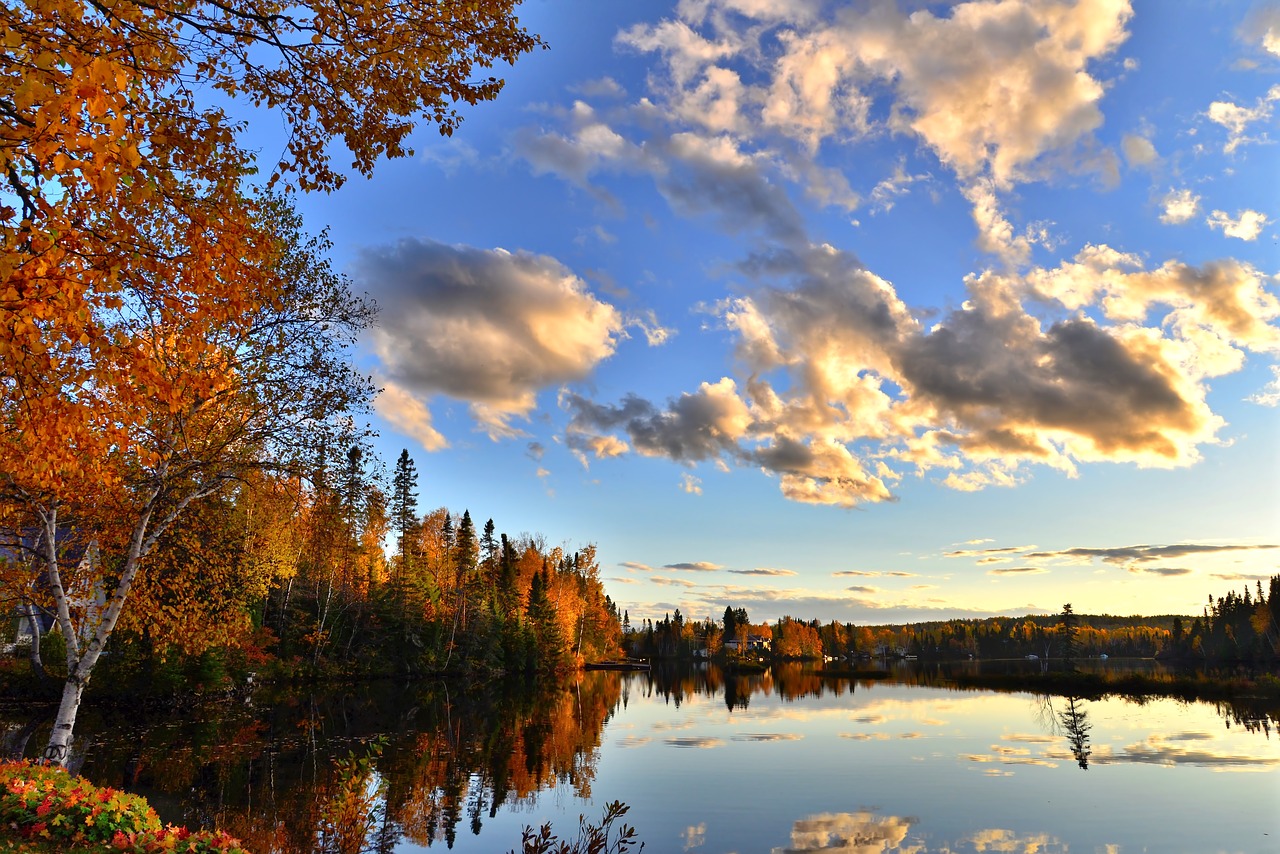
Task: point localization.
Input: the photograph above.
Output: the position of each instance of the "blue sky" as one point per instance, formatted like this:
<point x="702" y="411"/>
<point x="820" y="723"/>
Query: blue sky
<point x="859" y="311"/>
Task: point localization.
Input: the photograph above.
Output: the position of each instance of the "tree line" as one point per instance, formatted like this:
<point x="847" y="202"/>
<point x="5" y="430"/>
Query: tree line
<point x="1235" y="627"/>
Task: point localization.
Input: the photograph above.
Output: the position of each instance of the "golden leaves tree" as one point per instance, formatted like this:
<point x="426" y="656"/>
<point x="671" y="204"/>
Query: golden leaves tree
<point x="153" y="315"/>
<point x="210" y="399"/>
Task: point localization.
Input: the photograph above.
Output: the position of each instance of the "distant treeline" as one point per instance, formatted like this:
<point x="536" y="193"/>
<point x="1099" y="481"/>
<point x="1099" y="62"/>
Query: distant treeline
<point x="1242" y="627"/>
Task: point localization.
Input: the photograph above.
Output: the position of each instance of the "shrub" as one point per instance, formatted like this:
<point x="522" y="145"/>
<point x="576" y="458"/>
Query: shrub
<point x="45" y="801"/>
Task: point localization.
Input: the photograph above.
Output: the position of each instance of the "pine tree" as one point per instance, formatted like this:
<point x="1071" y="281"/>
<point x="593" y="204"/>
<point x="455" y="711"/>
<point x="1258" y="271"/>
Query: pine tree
<point x="1069" y="627"/>
<point x="404" y="503"/>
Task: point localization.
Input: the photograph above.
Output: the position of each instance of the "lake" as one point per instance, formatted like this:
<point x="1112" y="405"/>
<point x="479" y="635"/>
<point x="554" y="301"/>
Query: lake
<point x="781" y="762"/>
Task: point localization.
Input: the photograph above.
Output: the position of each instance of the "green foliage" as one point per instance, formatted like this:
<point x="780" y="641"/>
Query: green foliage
<point x="592" y="838"/>
<point x="45" y="802"/>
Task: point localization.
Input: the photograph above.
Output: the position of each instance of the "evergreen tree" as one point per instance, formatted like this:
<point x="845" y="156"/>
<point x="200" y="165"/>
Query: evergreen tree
<point x="404" y="503"/>
<point x="1069" y="628"/>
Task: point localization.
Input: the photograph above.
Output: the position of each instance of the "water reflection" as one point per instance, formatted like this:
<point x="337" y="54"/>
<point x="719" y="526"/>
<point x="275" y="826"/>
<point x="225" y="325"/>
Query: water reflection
<point x="860" y="832"/>
<point x="1075" y="725"/>
<point x="390" y="767"/>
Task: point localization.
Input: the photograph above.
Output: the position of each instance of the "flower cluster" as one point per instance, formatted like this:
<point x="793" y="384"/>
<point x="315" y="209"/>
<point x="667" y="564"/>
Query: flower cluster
<point x="45" y="801"/>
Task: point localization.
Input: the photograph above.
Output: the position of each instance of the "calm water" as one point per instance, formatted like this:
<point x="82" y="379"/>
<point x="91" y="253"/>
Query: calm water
<point x="775" y="763"/>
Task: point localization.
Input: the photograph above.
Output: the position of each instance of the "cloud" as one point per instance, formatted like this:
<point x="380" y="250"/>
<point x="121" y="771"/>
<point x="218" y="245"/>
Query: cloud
<point x="838" y="389"/>
<point x="1269" y="395"/>
<point x="1237" y="119"/>
<point x="856" y="573"/>
<point x="1017" y="570"/>
<point x="861" y="589"/>
<point x="1262" y="27"/>
<point x="1145" y="554"/>
<point x="1138" y="150"/>
<point x="672" y="582"/>
<point x="636" y="567"/>
<point x="697" y="566"/>
<point x="409" y="415"/>
<point x="1179" y="206"/>
<point x="690" y="484"/>
<point x="488" y="327"/>
<point x="1247" y="225"/>
<point x="1167" y="571"/>
<point x="761" y="570"/>
<point x="1002" y="550"/>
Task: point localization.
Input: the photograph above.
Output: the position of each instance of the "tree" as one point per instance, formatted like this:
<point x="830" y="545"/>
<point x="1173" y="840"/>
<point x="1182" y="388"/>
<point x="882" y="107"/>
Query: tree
<point x="404" y="505"/>
<point x="1069" y="629"/>
<point x="113" y="444"/>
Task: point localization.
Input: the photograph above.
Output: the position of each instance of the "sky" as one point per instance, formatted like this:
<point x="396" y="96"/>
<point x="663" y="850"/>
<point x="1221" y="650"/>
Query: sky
<point x="865" y="311"/>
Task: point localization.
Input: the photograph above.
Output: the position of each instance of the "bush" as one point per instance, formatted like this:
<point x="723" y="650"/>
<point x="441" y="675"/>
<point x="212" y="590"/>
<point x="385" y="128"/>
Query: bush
<point x="45" y="802"/>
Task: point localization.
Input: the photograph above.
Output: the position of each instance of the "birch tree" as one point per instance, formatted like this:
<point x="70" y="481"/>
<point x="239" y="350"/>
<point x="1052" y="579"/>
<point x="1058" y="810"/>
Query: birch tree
<point x="110" y="452"/>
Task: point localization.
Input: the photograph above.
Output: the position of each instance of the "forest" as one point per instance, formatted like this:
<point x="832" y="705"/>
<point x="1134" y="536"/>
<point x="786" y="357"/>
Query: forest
<point x="1234" y="627"/>
<point x="285" y="578"/>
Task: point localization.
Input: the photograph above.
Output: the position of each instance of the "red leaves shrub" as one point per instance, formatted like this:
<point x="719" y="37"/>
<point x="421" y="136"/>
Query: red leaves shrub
<point x="46" y="801"/>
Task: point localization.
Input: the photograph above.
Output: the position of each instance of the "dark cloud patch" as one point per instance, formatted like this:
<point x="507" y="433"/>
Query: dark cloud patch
<point x="1123" y="555"/>
<point x="694" y="427"/>
<point x="695" y="742"/>
<point x="485" y="326"/>
<point x="1168" y="571"/>
<point x="763" y="571"/>
<point x="1018" y="570"/>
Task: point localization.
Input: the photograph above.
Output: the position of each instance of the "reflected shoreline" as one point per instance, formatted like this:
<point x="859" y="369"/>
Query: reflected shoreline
<point x="444" y="761"/>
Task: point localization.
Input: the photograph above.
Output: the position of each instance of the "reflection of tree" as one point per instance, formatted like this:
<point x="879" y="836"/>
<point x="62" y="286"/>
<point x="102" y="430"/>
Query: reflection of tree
<point x="737" y="692"/>
<point x="268" y="774"/>
<point x="1075" y="726"/>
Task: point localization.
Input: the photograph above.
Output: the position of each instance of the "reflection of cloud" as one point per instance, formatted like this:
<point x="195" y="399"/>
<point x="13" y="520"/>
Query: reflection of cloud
<point x="664" y="726"/>
<point x="910" y="735"/>
<point x="869" y="719"/>
<point x="768" y="736"/>
<point x="633" y="741"/>
<point x="865" y="736"/>
<point x="1181" y="749"/>
<point x="995" y="839"/>
<point x="1030" y="738"/>
<point x="1009" y="756"/>
<point x="695" y="836"/>
<point x="698" y="742"/>
<point x="849" y="832"/>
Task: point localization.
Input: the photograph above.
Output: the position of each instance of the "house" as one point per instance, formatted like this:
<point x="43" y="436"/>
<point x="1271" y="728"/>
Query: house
<point x="755" y="643"/>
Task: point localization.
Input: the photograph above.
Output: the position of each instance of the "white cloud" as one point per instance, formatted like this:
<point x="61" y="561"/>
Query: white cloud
<point x="1237" y="119"/>
<point x="1179" y="206"/>
<point x="409" y="415"/>
<point x="1269" y="395"/>
<point x="690" y="484"/>
<point x="1247" y="225"/>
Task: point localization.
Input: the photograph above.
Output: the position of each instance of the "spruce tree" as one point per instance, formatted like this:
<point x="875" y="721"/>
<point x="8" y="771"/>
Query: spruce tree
<point x="404" y="502"/>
